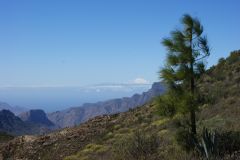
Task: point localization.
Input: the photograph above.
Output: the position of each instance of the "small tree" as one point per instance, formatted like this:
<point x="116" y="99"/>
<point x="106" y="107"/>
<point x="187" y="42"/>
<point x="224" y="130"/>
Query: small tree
<point x="187" y="49"/>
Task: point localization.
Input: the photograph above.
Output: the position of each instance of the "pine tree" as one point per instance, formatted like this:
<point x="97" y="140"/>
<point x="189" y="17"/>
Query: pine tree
<point x="187" y="49"/>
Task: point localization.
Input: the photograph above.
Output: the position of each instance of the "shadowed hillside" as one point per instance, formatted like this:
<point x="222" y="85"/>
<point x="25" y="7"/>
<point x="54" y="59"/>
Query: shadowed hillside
<point x="14" y="125"/>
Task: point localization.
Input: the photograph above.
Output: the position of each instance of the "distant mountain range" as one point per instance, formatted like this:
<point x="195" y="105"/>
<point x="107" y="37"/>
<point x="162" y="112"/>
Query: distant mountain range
<point x="38" y="122"/>
<point x="15" y="109"/>
<point x="76" y="115"/>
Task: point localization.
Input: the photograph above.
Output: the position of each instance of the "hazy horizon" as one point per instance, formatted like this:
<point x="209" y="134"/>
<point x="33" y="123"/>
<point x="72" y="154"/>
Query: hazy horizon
<point x="57" y="98"/>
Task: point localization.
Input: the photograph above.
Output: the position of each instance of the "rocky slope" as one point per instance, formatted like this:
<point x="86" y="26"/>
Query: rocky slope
<point x="77" y="115"/>
<point x="57" y="145"/>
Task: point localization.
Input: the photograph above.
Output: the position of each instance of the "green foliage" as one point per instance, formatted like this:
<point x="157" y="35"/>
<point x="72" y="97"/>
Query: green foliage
<point x="166" y="105"/>
<point x="187" y="48"/>
<point x="183" y="135"/>
<point x="186" y="139"/>
<point x="221" y="61"/>
<point x="90" y="152"/>
<point x="177" y="102"/>
<point x="139" y="146"/>
<point x="234" y="57"/>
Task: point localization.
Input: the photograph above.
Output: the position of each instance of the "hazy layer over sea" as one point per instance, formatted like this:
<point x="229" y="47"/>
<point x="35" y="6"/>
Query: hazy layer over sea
<point x="58" y="98"/>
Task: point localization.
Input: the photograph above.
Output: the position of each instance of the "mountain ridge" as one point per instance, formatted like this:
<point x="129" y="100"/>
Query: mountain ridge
<point x="76" y="115"/>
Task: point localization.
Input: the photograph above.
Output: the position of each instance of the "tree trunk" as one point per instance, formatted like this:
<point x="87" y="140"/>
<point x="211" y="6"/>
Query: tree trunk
<point x="193" y="121"/>
<point x="192" y="110"/>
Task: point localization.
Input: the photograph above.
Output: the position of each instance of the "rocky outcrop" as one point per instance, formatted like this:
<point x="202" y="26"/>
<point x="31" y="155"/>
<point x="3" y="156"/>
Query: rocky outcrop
<point x="36" y="116"/>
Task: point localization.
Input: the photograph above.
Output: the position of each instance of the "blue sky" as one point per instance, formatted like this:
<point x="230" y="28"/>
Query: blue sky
<point x="86" y="42"/>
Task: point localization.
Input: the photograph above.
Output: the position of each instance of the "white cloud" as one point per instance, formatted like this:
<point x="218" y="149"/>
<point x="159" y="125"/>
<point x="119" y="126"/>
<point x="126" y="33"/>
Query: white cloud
<point x="109" y="86"/>
<point x="140" y="81"/>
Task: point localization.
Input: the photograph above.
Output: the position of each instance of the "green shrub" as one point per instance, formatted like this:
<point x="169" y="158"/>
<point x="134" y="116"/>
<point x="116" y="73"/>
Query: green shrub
<point x="89" y="152"/>
<point x="166" y="105"/>
<point x="234" y="57"/>
<point x="186" y="139"/>
<point x="221" y="61"/>
<point x="139" y="146"/>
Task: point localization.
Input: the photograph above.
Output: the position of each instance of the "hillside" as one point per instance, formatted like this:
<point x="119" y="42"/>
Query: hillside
<point x="111" y="137"/>
<point x="68" y="141"/>
<point x="75" y="116"/>
<point x="221" y="87"/>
